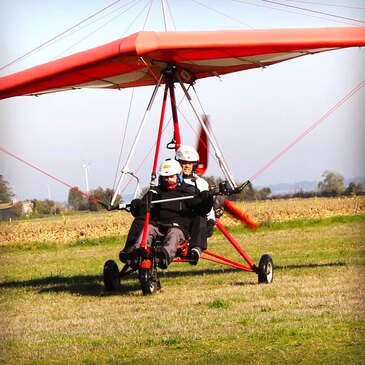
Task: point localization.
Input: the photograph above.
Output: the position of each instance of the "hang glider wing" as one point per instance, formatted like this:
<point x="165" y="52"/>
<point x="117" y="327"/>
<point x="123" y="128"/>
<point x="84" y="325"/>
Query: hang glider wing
<point x="138" y="59"/>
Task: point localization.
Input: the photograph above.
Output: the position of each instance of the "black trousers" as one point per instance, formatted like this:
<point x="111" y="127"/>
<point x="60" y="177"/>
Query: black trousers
<point x="198" y="232"/>
<point x="134" y="232"/>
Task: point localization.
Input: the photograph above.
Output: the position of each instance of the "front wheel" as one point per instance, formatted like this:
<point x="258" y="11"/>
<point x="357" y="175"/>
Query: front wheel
<point x="266" y="269"/>
<point x="149" y="281"/>
<point x="111" y="275"/>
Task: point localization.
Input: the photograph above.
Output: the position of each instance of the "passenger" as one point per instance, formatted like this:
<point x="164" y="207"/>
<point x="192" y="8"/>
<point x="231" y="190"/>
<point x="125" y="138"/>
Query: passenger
<point x="202" y="226"/>
<point x="171" y="219"/>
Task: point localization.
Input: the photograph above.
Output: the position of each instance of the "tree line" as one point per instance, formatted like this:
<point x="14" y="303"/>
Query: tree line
<point x="332" y="185"/>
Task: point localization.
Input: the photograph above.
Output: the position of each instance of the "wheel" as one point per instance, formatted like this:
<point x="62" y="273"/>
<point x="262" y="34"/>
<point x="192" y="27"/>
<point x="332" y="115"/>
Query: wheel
<point x="111" y="275"/>
<point x="266" y="269"/>
<point x="149" y="281"/>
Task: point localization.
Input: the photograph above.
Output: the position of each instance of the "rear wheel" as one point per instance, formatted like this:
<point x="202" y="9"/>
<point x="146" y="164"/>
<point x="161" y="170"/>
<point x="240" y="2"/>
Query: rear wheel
<point x="111" y="275"/>
<point x="149" y="281"/>
<point x="266" y="269"/>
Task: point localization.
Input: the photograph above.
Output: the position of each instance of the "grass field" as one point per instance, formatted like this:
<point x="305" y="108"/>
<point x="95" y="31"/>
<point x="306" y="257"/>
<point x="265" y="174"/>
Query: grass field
<point x="55" y="310"/>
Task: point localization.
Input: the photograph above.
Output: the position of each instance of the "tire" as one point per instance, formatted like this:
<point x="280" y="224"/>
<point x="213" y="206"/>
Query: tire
<point x="266" y="269"/>
<point x="111" y="275"/>
<point x="149" y="281"/>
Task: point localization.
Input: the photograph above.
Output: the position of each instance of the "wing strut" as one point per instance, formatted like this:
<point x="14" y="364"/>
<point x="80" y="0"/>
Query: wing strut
<point x="227" y="173"/>
<point x="126" y="169"/>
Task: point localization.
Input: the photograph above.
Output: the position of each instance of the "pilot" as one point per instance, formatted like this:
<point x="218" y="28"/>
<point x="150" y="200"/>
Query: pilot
<point x="202" y="226"/>
<point x="171" y="219"/>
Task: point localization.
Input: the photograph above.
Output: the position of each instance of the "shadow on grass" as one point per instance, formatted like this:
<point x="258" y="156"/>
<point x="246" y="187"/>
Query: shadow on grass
<point x="307" y="266"/>
<point x="89" y="285"/>
<point x="92" y="285"/>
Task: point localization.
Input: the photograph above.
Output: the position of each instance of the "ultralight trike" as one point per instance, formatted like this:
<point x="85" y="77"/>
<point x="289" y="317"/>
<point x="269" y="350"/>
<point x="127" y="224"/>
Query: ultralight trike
<point x="146" y="263"/>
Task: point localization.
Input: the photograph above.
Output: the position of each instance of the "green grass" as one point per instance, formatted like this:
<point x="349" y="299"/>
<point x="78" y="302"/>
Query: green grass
<point x="302" y="223"/>
<point x="54" y="308"/>
<point x="81" y="244"/>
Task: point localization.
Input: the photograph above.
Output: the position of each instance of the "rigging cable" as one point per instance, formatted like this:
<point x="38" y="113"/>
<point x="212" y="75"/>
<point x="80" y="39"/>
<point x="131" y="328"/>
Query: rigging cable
<point x="210" y="127"/>
<point x="308" y="130"/>
<point x="164" y="15"/>
<point x="123" y="139"/>
<point x="225" y="15"/>
<point x="90" y="197"/>
<point x="172" y="18"/>
<point x="104" y="25"/>
<point x="292" y="12"/>
<point x="330" y="5"/>
<point x="313" y="11"/>
<point x="147" y="15"/>
<point x="89" y="24"/>
<point x="134" y="20"/>
<point x="57" y="36"/>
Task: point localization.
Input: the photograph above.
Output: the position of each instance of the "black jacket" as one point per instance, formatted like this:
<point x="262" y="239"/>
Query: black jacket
<point x="178" y="212"/>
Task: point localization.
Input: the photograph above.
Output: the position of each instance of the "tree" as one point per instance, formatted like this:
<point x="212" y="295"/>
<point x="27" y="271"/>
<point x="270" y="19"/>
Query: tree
<point x="104" y="195"/>
<point x="43" y="207"/>
<point x="354" y="188"/>
<point x="332" y="184"/>
<point x="6" y="193"/>
<point x="76" y="200"/>
<point x="263" y="193"/>
<point x="247" y="194"/>
<point x="213" y="181"/>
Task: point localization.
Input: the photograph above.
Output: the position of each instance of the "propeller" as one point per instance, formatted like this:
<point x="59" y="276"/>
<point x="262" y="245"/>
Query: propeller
<point x="239" y="214"/>
<point x="202" y="148"/>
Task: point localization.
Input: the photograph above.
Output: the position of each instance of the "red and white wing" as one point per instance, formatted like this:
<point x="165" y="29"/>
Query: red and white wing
<point x="138" y="59"/>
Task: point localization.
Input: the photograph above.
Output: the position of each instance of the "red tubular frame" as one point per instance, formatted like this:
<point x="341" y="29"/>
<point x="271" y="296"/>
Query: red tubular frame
<point x="207" y="255"/>
<point x="213" y="257"/>
<point x="235" y="244"/>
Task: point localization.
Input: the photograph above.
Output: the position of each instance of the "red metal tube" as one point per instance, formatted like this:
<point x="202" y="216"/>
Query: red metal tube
<point x="225" y="261"/>
<point x="235" y="244"/>
<point x="158" y="143"/>
<point x="174" y="116"/>
<point x="145" y="231"/>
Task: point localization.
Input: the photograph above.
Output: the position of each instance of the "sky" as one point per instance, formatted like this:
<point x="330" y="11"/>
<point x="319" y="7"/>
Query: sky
<point x="254" y="114"/>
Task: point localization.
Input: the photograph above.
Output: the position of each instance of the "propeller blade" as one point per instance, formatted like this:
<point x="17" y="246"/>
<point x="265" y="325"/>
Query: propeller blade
<point x="202" y="148"/>
<point x="239" y="214"/>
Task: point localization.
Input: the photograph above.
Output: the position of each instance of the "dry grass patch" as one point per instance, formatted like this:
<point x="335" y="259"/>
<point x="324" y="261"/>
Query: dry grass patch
<point x="287" y="209"/>
<point x="66" y="229"/>
<point x="86" y="226"/>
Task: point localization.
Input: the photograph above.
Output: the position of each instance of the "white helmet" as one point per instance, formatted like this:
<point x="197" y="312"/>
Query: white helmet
<point x="170" y="167"/>
<point x="187" y="153"/>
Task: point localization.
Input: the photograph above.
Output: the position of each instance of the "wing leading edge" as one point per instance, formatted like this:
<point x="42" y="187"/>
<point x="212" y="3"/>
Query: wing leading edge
<point x="138" y="60"/>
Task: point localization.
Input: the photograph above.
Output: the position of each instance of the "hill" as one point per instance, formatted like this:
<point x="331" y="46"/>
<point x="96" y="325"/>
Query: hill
<point x="306" y="185"/>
